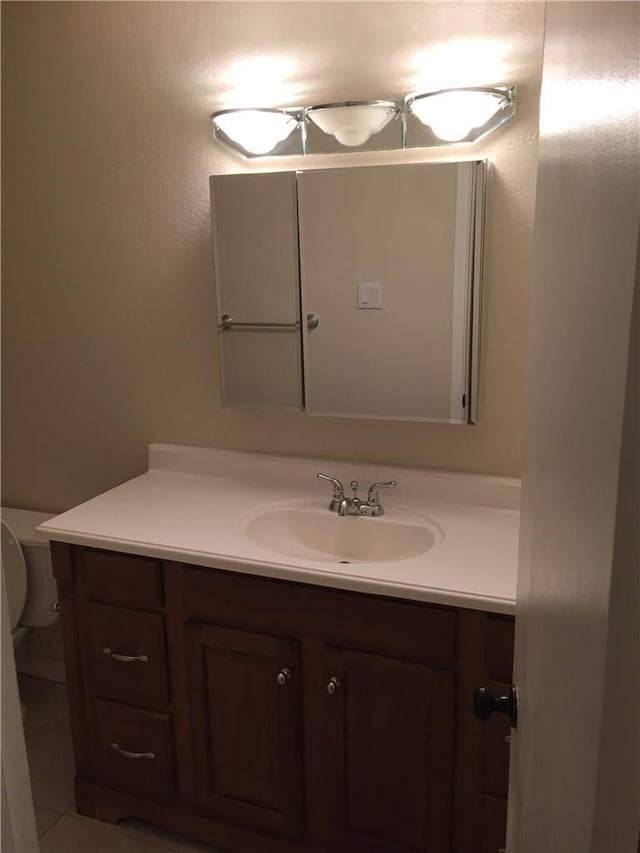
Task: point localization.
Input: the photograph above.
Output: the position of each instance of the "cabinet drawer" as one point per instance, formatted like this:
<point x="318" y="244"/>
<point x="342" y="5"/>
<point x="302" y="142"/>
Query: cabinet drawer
<point x="123" y="580"/>
<point x="126" y="654"/>
<point x="133" y="750"/>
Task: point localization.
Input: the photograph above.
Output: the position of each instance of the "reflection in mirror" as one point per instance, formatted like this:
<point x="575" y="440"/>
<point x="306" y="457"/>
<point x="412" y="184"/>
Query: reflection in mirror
<point x="387" y="259"/>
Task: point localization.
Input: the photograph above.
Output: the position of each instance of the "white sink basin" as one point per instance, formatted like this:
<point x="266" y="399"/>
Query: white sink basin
<point x="326" y="537"/>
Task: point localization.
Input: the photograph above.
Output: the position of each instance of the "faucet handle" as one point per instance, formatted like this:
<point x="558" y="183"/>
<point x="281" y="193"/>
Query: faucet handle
<point x="338" y="488"/>
<point x="372" y="497"/>
<point x="338" y="491"/>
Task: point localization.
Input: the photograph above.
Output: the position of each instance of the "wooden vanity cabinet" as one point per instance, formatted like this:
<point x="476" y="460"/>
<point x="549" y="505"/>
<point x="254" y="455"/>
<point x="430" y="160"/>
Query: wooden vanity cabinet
<point x="282" y="716"/>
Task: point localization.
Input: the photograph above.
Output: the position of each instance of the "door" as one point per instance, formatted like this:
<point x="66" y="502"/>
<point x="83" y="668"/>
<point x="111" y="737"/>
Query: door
<point x="18" y="820"/>
<point x="574" y="762"/>
<point x="388" y="756"/>
<point x="246" y="724"/>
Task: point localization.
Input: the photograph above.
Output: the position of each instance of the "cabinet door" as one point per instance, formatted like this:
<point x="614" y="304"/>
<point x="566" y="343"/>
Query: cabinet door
<point x="245" y="704"/>
<point x="388" y="762"/>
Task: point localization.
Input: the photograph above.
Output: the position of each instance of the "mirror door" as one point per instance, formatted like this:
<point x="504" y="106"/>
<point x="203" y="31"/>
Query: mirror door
<point x="255" y="233"/>
<point x="386" y="265"/>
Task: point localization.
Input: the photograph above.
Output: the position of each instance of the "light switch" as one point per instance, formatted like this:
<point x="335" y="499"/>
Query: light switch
<point x="369" y="294"/>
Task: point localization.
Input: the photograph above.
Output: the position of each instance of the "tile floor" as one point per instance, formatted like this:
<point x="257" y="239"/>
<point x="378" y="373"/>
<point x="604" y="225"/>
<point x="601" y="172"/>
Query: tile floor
<point x="60" y="828"/>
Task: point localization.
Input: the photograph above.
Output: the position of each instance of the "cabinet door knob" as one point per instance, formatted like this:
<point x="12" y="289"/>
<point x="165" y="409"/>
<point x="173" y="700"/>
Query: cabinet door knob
<point x="283" y="676"/>
<point x="125" y="658"/>
<point x="127" y="754"/>
<point x="333" y="684"/>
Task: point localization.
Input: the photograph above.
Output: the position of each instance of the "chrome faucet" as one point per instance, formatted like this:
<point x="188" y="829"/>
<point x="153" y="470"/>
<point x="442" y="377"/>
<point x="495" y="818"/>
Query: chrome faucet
<point x="354" y="505"/>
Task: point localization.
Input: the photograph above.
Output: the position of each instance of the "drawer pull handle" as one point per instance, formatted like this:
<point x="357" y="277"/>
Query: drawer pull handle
<point x="333" y="685"/>
<point x="283" y="676"/>
<point x="127" y="754"/>
<point x="126" y="658"/>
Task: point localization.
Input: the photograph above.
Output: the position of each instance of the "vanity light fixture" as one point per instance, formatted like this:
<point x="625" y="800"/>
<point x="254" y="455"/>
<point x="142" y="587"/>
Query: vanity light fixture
<point x="353" y="122"/>
<point x="453" y="113"/>
<point x="425" y="120"/>
<point x="257" y="131"/>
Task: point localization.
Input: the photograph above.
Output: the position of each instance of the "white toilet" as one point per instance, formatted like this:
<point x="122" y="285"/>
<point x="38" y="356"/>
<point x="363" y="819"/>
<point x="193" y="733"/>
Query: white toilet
<point x="26" y="563"/>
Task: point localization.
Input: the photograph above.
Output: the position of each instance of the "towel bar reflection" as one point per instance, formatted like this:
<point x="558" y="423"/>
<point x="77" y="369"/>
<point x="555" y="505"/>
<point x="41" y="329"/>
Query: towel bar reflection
<point x="228" y="323"/>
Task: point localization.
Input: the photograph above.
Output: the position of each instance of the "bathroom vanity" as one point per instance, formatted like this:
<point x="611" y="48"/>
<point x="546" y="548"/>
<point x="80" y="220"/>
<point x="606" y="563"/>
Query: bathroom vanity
<point x="261" y="703"/>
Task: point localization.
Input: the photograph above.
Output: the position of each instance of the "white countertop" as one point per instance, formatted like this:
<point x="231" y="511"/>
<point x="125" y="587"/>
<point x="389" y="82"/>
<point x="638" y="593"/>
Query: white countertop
<point x="193" y="505"/>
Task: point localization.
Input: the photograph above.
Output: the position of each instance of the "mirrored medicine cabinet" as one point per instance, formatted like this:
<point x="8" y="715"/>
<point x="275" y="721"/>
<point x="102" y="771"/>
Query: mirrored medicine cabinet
<point x="351" y="292"/>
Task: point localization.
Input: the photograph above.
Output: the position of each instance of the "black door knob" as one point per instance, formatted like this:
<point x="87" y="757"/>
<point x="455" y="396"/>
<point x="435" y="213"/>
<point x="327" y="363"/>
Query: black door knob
<point x="485" y="703"/>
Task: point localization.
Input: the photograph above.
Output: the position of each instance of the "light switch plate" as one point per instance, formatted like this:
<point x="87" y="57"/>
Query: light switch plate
<point x="369" y="294"/>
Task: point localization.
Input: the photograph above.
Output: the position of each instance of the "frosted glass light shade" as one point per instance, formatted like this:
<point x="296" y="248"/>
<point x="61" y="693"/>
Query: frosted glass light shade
<point x="257" y="131"/>
<point x="453" y="113"/>
<point x="353" y="124"/>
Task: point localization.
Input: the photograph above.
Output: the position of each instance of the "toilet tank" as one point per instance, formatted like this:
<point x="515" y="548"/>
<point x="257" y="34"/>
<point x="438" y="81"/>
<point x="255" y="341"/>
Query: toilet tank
<point x="39" y="610"/>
